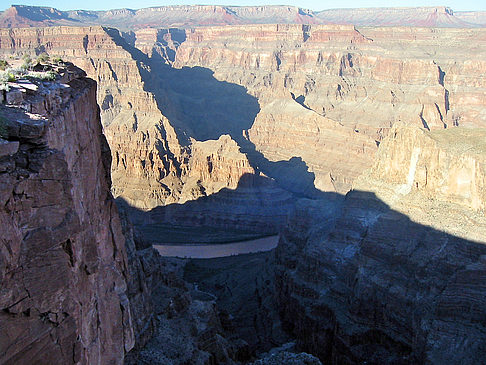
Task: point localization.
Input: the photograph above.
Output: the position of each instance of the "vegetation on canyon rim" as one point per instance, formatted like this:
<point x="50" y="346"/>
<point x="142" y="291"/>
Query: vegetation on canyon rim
<point x="39" y="70"/>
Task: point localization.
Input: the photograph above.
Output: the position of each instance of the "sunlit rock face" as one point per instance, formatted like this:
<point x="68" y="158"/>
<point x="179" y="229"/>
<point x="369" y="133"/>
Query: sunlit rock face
<point x="326" y="94"/>
<point x="187" y="16"/>
<point x="63" y="263"/>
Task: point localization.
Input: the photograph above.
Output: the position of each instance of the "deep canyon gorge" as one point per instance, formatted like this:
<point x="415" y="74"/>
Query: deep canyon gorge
<point x="358" y="137"/>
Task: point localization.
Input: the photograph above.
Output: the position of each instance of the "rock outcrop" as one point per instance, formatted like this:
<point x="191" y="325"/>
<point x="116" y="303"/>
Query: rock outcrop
<point x="304" y="105"/>
<point x="394" y="273"/>
<point x="67" y="291"/>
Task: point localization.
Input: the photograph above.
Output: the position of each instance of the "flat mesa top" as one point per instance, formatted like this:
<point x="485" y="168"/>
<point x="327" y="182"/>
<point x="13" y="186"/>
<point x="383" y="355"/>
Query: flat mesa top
<point x="461" y="140"/>
<point x="186" y="16"/>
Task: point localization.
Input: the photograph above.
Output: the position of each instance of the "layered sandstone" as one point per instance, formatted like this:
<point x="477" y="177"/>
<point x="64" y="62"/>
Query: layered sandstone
<point x="304" y="105"/>
<point x="127" y="110"/>
<point x="313" y="81"/>
<point x="63" y="263"/>
<point x="394" y="273"/>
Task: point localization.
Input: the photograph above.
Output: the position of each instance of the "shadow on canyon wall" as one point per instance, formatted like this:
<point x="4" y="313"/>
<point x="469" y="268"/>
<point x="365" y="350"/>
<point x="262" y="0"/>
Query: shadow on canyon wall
<point x="374" y="284"/>
<point x="257" y="207"/>
<point x="201" y="107"/>
<point x="366" y="284"/>
<point x="355" y="280"/>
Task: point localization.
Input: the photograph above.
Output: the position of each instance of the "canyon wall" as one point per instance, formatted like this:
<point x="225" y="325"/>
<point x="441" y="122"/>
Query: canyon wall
<point x="188" y="113"/>
<point x="374" y="135"/>
<point x="144" y="145"/>
<point x="314" y="83"/>
<point x="394" y="272"/>
<point x="65" y="280"/>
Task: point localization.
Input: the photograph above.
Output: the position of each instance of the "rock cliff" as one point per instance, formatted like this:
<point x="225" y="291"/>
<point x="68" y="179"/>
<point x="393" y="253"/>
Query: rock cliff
<point x="304" y="105"/>
<point x="65" y="286"/>
<point x="394" y="272"/>
<point x="314" y="83"/>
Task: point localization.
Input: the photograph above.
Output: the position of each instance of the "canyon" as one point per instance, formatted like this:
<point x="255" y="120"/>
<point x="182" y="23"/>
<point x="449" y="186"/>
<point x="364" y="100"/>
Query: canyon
<point x="361" y="143"/>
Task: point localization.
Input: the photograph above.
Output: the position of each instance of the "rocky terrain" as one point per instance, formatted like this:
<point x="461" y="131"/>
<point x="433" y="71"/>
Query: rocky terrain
<point x="394" y="273"/>
<point x="191" y="115"/>
<point x="63" y="263"/>
<point x="187" y="16"/>
<point x="363" y="146"/>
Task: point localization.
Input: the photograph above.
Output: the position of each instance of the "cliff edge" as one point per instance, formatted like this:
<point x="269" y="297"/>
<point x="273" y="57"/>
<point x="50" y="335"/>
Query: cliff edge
<point x="63" y="263"/>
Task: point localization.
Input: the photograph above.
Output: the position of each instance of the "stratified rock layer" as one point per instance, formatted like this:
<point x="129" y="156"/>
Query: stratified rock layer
<point x="63" y="262"/>
<point x="395" y="272"/>
<point x="204" y="15"/>
<point x="324" y="94"/>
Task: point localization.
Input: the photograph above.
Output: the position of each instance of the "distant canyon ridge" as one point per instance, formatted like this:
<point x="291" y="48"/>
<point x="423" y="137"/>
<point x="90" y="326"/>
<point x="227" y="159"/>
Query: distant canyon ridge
<point x="202" y="15"/>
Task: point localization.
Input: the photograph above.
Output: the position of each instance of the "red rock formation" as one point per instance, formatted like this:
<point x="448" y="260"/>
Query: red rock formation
<point x="127" y="110"/>
<point x="310" y="82"/>
<point x="68" y="292"/>
<point x="359" y="79"/>
<point x="63" y="267"/>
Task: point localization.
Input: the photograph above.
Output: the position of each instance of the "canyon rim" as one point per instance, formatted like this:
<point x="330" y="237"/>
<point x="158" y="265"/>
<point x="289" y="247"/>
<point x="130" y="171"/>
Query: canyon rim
<point x="355" y="138"/>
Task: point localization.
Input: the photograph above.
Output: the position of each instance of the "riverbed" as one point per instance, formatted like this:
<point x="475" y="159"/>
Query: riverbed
<point x="209" y="251"/>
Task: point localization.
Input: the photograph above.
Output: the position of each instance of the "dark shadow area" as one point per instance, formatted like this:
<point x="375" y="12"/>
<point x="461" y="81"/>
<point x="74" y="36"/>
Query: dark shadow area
<point x="242" y="285"/>
<point x="337" y="272"/>
<point x="201" y="106"/>
<point x="258" y="207"/>
<point x="365" y="283"/>
<point x="301" y="100"/>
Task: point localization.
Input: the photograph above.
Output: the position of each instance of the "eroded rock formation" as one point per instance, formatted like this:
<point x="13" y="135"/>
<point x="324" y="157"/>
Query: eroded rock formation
<point x="394" y="272"/>
<point x="188" y="113"/>
<point x="187" y="16"/>
<point x="68" y="294"/>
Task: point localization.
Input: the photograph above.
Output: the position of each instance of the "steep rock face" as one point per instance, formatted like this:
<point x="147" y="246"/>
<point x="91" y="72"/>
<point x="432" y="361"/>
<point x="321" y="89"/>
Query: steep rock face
<point x="150" y="161"/>
<point x="217" y="162"/>
<point x="304" y="105"/>
<point x="63" y="264"/>
<point x="312" y="81"/>
<point x="394" y="273"/>
<point x="445" y="165"/>
<point x="146" y="153"/>
<point x="144" y="274"/>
